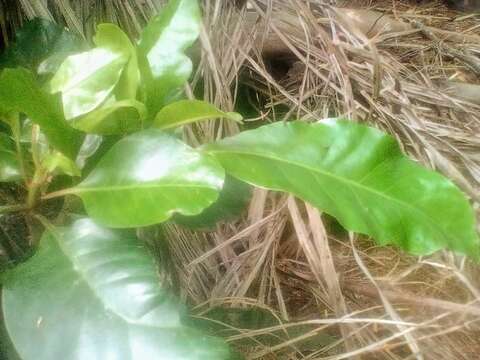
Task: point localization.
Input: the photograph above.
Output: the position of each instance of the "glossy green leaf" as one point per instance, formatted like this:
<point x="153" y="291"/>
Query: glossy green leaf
<point x="99" y="148"/>
<point x="58" y="162"/>
<point x="36" y="41"/>
<point x="117" y="117"/>
<point x="185" y="112"/>
<point x="20" y="93"/>
<point x="89" y="147"/>
<point x="358" y="175"/>
<point x="232" y="201"/>
<point x="91" y="293"/>
<point x="147" y="177"/>
<point x="111" y="37"/>
<point x="163" y="65"/>
<point x="9" y="167"/>
<point x="87" y="79"/>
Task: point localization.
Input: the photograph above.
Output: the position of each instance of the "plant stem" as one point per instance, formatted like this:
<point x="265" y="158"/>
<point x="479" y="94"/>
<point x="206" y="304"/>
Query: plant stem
<point x="14" y="122"/>
<point x="12" y="208"/>
<point x="46" y="223"/>
<point x="33" y="190"/>
<point x="58" y="193"/>
<point x="34" y="146"/>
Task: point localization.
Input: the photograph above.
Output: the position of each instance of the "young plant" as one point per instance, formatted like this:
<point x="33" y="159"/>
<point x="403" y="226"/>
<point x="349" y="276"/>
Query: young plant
<point x="91" y="289"/>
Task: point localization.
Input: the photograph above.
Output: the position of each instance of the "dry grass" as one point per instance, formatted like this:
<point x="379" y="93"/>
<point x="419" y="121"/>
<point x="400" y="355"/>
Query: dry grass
<point x="80" y="17"/>
<point x="371" y="302"/>
<point x="374" y="302"/>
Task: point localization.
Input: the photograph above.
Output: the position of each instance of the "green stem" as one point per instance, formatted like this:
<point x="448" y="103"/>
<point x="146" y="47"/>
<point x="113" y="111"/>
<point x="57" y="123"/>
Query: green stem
<point x="12" y="208"/>
<point x="34" y="146"/>
<point x="46" y="223"/>
<point x="59" y="193"/>
<point x="14" y="122"/>
<point x="34" y="188"/>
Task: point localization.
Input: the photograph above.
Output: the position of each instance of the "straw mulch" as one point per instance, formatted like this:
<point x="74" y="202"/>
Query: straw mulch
<point x="305" y="60"/>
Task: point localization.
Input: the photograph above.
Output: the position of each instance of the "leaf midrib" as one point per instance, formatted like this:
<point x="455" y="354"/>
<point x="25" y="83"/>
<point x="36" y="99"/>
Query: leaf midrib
<point x="340" y="179"/>
<point x="136" y="187"/>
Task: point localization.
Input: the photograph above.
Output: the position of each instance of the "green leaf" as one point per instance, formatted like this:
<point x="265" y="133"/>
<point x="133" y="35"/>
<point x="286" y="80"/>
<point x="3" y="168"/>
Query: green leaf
<point x="148" y="176"/>
<point x="91" y="293"/>
<point x="7" y="118"/>
<point x="163" y="65"/>
<point x="58" y="162"/>
<point x="118" y="117"/>
<point x="36" y="41"/>
<point x="21" y="94"/>
<point x="9" y="167"/>
<point x="110" y="36"/>
<point x="188" y="111"/>
<point x="358" y="175"/>
<point x="232" y="201"/>
<point x="87" y="79"/>
<point x="89" y="147"/>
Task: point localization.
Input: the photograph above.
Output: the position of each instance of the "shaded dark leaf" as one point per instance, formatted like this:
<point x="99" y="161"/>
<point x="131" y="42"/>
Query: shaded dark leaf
<point x="231" y="202"/>
<point x="38" y="40"/>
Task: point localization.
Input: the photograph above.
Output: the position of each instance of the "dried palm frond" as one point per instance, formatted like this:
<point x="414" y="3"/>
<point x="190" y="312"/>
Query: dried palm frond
<point x="305" y="60"/>
<point x="81" y="17"/>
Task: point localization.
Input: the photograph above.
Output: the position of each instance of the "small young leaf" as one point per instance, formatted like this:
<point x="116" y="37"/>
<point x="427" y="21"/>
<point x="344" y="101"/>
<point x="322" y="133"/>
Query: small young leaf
<point x="148" y="176"/>
<point x="20" y="93"/>
<point x="87" y="79"/>
<point x="118" y="117"/>
<point x="358" y="175"/>
<point x="58" y="162"/>
<point x="163" y="64"/>
<point x="110" y="36"/>
<point x="91" y="293"/>
<point x="9" y="167"/>
<point x="188" y="111"/>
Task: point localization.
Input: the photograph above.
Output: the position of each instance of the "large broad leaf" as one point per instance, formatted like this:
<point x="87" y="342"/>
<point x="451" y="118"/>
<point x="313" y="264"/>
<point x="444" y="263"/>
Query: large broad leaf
<point x="20" y="93"/>
<point x="163" y="64"/>
<point x="232" y="201"/>
<point x="148" y="176"/>
<point x="90" y="293"/>
<point x="117" y="117"/>
<point x="87" y="79"/>
<point x="38" y="40"/>
<point x="9" y="167"/>
<point x="358" y="175"/>
<point x="185" y="112"/>
<point x="111" y="37"/>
